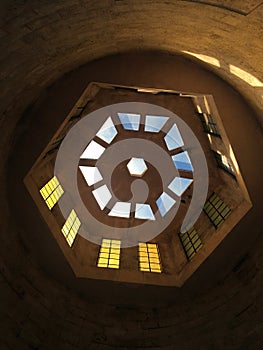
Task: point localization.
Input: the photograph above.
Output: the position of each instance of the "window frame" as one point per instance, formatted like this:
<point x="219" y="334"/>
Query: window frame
<point x="149" y="257"/>
<point x="57" y="191"/>
<point x="209" y="126"/>
<point x="188" y="240"/>
<point x="110" y="249"/>
<point x="71" y="225"/>
<point x="214" y="202"/>
<point x="227" y="168"/>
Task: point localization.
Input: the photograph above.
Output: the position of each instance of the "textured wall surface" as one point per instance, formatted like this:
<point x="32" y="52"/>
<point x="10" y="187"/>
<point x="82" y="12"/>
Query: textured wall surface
<point x="40" y="41"/>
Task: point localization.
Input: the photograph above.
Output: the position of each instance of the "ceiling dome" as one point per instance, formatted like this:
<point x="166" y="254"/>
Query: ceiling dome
<point x="50" y="52"/>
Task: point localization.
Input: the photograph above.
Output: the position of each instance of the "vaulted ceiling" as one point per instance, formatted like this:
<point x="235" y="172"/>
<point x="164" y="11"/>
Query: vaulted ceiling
<point x="46" y="55"/>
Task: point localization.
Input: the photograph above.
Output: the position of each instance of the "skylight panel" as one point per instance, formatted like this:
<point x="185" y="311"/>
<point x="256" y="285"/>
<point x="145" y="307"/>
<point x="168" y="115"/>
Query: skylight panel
<point x="130" y="121"/>
<point x="173" y="138"/>
<point x="144" y="211"/>
<point x="182" y="161"/>
<point x="91" y="174"/>
<point x="108" y="131"/>
<point x="154" y="123"/>
<point x="93" y="151"/>
<point x="179" y="185"/>
<point x="137" y="167"/>
<point x="102" y="196"/>
<point x="121" y="210"/>
<point x="165" y="203"/>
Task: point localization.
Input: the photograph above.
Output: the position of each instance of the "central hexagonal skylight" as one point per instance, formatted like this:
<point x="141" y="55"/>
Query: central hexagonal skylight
<point x="137" y="167"/>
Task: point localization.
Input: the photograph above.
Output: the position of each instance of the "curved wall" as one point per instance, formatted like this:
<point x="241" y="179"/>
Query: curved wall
<point x="221" y="306"/>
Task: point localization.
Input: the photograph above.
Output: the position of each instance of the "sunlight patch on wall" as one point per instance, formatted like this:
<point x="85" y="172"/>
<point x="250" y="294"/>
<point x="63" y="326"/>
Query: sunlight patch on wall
<point x="247" y="77"/>
<point x="208" y="59"/>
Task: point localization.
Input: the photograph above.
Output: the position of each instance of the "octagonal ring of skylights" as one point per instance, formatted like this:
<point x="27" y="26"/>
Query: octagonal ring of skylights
<point x="179" y="175"/>
<point x="136" y="166"/>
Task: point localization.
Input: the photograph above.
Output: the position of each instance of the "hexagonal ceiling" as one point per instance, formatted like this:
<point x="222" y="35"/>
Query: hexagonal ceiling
<point x="123" y="200"/>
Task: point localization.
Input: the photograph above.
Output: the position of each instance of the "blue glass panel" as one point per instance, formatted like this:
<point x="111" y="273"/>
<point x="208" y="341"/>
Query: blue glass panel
<point x="154" y="123"/>
<point x="108" y="131"/>
<point x="179" y="185"/>
<point x="182" y="161"/>
<point x="173" y="138"/>
<point x="130" y="121"/>
<point x="144" y="211"/>
<point x="165" y="203"/>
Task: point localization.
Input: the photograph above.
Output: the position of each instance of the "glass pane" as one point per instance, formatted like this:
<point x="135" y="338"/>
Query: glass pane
<point x="93" y="151"/>
<point x="51" y="192"/>
<point x="179" y="185"/>
<point x="115" y="243"/>
<point x="108" y="131"/>
<point x="154" y="123"/>
<point x="152" y="248"/>
<point x="182" y="161"/>
<point x="70" y="228"/>
<point x="137" y="167"/>
<point x="143" y="246"/>
<point x="144" y="211"/>
<point x="44" y="193"/>
<point x="102" y="196"/>
<point x="190" y="252"/>
<point x="91" y="174"/>
<point x="173" y="138"/>
<point x="165" y="203"/>
<point x="109" y="257"/>
<point x="111" y="266"/>
<point x="104" y="249"/>
<point x="104" y="255"/>
<point x="130" y="121"/>
<point x="121" y="209"/>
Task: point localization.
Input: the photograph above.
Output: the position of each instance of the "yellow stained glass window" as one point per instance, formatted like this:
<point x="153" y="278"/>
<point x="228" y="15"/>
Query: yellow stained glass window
<point x="51" y="192"/>
<point x="71" y="227"/>
<point x="109" y="255"/>
<point x="149" y="257"/>
<point x="191" y="242"/>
